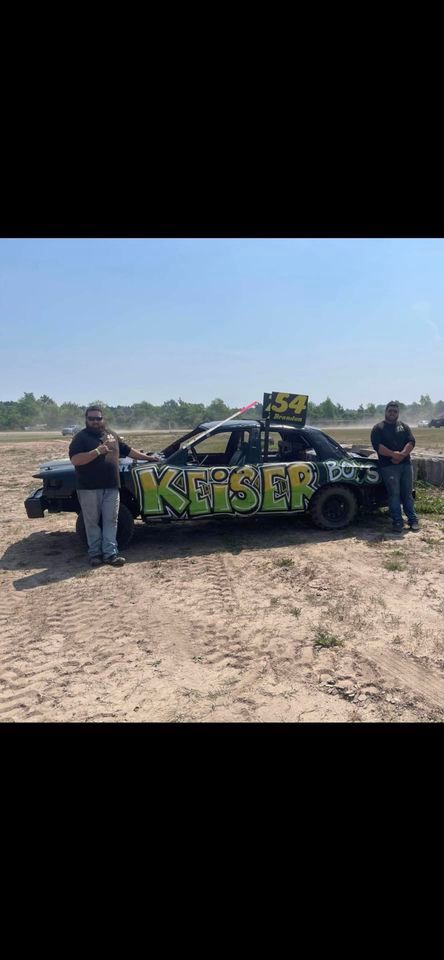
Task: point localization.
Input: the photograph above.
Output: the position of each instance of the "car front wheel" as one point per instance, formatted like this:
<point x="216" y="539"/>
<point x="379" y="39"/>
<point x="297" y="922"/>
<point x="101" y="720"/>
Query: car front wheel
<point x="333" y="507"/>
<point x="125" y="527"/>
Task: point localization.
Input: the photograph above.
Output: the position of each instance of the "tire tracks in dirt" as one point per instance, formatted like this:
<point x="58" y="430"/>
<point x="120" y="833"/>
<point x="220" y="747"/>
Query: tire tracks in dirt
<point x="423" y="681"/>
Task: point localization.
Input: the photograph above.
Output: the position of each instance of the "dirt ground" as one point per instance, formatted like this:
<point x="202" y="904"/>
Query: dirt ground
<point x="217" y="620"/>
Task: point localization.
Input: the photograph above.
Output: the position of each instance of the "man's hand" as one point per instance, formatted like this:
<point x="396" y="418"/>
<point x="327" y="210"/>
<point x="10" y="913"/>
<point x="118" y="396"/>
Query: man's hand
<point x="103" y="448"/>
<point x="397" y="456"/>
<point x="138" y="455"/>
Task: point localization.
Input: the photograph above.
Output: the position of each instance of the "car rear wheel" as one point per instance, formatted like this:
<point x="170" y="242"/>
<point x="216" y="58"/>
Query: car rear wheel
<point x="333" y="507"/>
<point x="125" y="527"/>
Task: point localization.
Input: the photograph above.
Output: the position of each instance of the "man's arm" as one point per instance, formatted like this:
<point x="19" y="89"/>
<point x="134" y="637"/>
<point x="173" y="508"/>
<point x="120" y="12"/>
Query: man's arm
<point x="411" y="442"/>
<point x="395" y="455"/>
<point x="138" y="455"/>
<point x="80" y="459"/>
<point x="407" y="449"/>
<point x="385" y="452"/>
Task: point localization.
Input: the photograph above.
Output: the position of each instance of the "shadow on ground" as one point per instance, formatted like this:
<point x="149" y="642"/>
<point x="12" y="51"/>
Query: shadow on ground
<point x="59" y="555"/>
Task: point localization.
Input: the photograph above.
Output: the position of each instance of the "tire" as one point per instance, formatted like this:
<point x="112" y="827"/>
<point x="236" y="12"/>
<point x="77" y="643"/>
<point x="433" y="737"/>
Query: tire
<point x="125" y="527"/>
<point x="334" y="507"/>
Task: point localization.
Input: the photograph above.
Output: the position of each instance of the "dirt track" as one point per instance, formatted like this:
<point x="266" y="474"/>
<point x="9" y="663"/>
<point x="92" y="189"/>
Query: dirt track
<point x="216" y="621"/>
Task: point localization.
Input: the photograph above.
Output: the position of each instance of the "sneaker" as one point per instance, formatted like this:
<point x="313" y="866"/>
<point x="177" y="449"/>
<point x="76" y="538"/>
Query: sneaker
<point x="95" y="562"/>
<point x="397" y="527"/>
<point x="414" y="525"/>
<point x="115" y="560"/>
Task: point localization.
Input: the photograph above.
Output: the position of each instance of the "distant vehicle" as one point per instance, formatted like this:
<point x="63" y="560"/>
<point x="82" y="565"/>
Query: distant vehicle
<point x="70" y="431"/>
<point x="437" y="422"/>
<point x="423" y="423"/>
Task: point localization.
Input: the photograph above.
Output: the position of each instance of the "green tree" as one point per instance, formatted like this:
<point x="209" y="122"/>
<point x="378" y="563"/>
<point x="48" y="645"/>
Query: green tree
<point x="10" y="417"/>
<point x="168" y="414"/>
<point x="48" y="411"/>
<point x="327" y="410"/>
<point x="217" y="410"/>
<point x="71" y="413"/>
<point x="144" y="414"/>
<point x="28" y="409"/>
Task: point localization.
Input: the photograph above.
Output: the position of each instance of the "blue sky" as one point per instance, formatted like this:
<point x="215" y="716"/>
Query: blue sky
<point x="131" y="319"/>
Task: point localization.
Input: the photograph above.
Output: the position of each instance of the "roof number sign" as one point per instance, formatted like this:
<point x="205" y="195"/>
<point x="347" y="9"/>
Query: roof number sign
<point x="286" y="407"/>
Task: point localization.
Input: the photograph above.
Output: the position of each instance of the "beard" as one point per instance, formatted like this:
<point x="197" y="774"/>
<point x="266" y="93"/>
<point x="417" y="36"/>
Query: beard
<point x="98" y="428"/>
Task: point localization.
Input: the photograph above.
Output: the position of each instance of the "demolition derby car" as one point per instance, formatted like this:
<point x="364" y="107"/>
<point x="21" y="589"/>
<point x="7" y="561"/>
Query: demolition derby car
<point x="243" y="468"/>
<point x="437" y="422"/>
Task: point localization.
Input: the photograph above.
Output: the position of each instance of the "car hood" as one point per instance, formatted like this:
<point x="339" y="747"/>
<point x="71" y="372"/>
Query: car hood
<point x="65" y="466"/>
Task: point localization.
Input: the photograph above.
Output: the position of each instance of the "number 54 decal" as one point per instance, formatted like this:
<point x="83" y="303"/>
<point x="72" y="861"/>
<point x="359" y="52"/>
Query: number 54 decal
<point x="287" y="407"/>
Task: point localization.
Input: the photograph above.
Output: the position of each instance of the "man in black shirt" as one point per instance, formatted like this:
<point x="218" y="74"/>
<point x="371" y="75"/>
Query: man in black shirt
<point x="394" y="442"/>
<point x="95" y="453"/>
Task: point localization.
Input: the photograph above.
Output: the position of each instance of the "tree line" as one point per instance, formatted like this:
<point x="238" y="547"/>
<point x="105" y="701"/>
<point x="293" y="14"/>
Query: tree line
<point x="44" y="413"/>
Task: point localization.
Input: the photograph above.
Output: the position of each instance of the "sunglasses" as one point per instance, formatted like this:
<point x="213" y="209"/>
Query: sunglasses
<point x="94" y="418"/>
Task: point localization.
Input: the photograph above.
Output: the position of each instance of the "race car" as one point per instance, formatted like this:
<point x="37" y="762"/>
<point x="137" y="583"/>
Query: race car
<point x="244" y="468"/>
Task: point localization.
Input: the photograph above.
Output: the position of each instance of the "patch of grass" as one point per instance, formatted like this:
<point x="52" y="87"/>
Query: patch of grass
<point x="296" y="611"/>
<point x="284" y="562"/>
<point x="394" y="565"/>
<point x="429" y="499"/>
<point x="426" y="438"/>
<point x="23" y="436"/>
<point x="417" y="630"/>
<point x="274" y="601"/>
<point x="395" y="561"/>
<point x="324" y="639"/>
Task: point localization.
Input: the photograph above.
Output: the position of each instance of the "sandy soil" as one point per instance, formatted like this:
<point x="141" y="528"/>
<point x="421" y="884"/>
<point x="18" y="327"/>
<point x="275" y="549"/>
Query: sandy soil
<point x="216" y="621"/>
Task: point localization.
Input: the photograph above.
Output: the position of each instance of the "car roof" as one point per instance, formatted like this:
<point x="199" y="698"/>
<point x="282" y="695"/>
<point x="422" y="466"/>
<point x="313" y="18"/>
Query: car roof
<point x="212" y="424"/>
<point x="274" y="425"/>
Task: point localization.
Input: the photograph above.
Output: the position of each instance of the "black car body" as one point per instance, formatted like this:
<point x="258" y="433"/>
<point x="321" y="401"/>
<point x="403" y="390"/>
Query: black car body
<point x="437" y="422"/>
<point x="227" y="473"/>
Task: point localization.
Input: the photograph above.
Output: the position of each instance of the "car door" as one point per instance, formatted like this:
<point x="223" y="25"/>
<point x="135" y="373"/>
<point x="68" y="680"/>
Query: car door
<point x="210" y="477"/>
<point x="288" y="481"/>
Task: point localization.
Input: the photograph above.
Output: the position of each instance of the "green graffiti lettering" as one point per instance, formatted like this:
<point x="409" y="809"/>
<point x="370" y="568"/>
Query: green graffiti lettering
<point x="302" y="478"/>
<point x="243" y="495"/>
<point x="199" y="492"/>
<point x="159" y="493"/>
<point x="275" y="482"/>
<point x="219" y="482"/>
<point x="150" y="499"/>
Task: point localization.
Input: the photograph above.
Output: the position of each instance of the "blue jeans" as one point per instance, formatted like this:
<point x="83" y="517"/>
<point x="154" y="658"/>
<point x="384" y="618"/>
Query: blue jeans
<point x="398" y="480"/>
<point x="102" y="541"/>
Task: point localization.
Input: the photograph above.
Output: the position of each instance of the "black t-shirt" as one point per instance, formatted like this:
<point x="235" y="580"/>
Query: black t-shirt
<point x="103" y="471"/>
<point x="391" y="435"/>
